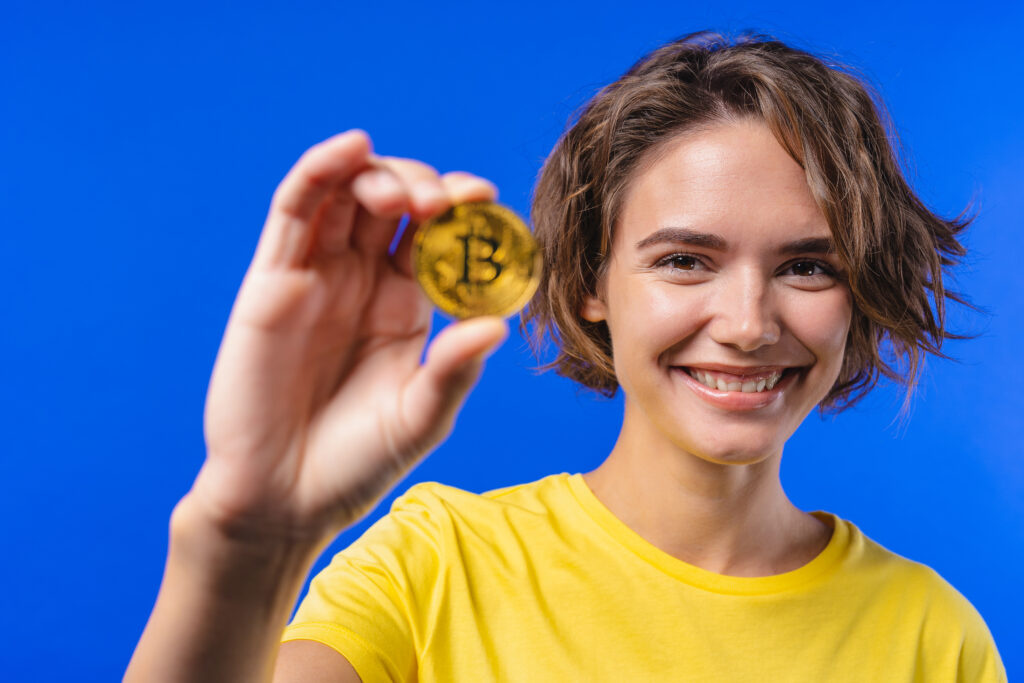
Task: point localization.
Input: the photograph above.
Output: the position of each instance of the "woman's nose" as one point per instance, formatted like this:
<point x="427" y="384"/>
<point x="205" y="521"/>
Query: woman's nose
<point x="744" y="315"/>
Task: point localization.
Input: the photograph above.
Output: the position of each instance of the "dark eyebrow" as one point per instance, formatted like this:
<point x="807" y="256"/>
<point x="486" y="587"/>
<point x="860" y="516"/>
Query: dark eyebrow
<point x="809" y="245"/>
<point x="683" y="236"/>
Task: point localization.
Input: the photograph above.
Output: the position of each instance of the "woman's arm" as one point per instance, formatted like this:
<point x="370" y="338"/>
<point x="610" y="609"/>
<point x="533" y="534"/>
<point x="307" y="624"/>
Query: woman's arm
<point x="222" y="605"/>
<point x="307" y="661"/>
<point x="317" y="405"/>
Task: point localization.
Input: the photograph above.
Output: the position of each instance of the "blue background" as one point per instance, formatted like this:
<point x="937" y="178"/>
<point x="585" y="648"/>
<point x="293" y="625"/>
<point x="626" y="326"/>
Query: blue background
<point x="140" y="148"/>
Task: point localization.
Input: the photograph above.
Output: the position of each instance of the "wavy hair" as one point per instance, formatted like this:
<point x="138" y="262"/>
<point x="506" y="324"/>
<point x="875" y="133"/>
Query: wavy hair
<point x="828" y="120"/>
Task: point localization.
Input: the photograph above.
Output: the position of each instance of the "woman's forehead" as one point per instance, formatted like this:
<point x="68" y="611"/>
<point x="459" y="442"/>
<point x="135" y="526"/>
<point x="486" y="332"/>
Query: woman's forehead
<point x="733" y="177"/>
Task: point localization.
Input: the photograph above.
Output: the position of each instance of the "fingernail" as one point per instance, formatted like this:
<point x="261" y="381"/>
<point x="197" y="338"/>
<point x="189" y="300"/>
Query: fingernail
<point x="384" y="181"/>
<point x="426" y="191"/>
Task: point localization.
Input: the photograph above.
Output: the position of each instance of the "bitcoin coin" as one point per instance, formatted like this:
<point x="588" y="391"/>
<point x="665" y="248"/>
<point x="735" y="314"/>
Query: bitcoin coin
<point x="477" y="258"/>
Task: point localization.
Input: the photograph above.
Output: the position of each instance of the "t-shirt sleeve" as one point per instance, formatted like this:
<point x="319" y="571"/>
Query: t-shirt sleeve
<point x="954" y="627"/>
<point x="364" y="603"/>
<point x="979" y="660"/>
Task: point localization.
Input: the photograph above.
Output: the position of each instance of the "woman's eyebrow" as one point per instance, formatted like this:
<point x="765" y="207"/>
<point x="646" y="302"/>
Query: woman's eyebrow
<point x="807" y="245"/>
<point x="684" y="236"/>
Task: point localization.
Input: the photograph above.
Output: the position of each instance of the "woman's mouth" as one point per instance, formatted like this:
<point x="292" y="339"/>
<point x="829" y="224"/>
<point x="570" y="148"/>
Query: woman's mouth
<point x="738" y="392"/>
<point x="747" y="384"/>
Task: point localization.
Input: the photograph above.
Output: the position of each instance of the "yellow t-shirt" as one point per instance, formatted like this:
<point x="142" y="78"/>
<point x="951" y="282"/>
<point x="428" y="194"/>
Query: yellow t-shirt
<point x="540" y="582"/>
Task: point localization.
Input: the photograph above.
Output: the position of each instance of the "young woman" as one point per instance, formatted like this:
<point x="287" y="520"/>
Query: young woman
<point x="728" y="239"/>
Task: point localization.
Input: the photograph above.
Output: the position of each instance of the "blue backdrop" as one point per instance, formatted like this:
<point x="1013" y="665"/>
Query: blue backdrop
<point x="141" y="146"/>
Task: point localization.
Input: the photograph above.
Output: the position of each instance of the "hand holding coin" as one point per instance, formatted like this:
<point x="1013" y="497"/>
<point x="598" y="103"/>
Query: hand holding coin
<point x="319" y="401"/>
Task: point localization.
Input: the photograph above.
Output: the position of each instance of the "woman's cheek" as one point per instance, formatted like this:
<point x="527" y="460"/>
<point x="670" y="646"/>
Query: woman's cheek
<point x="836" y="318"/>
<point x="670" y="314"/>
<point x="646" y="319"/>
<point x="824" y="324"/>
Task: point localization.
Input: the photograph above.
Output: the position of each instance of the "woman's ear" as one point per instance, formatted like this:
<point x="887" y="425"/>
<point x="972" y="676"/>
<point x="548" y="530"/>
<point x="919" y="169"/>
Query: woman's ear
<point x="593" y="309"/>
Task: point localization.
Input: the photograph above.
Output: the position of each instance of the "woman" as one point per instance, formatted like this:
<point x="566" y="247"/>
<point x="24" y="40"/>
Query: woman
<point x="727" y="238"/>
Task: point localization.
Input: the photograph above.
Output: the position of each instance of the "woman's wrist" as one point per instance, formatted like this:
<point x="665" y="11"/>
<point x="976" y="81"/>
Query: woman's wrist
<point x="226" y="595"/>
<point x="235" y="556"/>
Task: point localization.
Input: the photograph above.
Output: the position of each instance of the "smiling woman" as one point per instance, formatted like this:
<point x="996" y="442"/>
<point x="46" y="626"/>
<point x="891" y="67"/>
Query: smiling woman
<point x="830" y="125"/>
<point x="735" y="304"/>
<point x="728" y="240"/>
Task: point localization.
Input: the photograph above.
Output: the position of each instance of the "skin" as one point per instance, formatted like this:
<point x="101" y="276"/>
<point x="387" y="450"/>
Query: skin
<point x="697" y="480"/>
<point x="317" y="406"/>
<point x="319" y="403"/>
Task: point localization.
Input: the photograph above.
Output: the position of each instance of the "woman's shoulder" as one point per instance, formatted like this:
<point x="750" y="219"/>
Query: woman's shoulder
<point x="537" y="496"/>
<point x="877" y="562"/>
<point x="915" y="586"/>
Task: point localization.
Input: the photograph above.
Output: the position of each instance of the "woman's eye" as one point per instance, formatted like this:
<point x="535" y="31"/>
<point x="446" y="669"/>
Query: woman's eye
<point x="810" y="269"/>
<point x="680" y="262"/>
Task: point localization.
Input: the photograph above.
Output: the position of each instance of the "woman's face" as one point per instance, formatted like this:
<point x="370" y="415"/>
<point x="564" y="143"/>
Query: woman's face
<point x="721" y="268"/>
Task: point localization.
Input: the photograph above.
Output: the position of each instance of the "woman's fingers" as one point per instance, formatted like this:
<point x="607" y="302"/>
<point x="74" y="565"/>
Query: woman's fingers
<point x="427" y="196"/>
<point x="459" y="187"/>
<point x="370" y="205"/>
<point x="381" y="191"/>
<point x="421" y="195"/>
<point x="339" y="195"/>
<point x="465" y="187"/>
<point x="453" y="363"/>
<point x="289" y="232"/>
<point x="383" y="198"/>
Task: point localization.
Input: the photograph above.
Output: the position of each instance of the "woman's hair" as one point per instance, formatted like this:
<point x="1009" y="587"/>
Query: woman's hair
<point x="828" y="120"/>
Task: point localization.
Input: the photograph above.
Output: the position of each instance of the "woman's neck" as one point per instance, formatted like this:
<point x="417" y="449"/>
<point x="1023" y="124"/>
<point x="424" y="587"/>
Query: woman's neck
<point x="726" y="518"/>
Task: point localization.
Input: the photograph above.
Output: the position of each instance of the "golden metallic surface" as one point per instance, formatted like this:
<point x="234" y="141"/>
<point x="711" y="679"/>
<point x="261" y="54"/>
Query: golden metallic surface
<point x="476" y="259"/>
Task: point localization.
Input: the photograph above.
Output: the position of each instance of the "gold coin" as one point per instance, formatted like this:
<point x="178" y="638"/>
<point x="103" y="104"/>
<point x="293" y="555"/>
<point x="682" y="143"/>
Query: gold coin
<point x="476" y="259"/>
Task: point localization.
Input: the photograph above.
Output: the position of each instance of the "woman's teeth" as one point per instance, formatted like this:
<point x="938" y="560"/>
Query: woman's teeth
<point x="708" y="379"/>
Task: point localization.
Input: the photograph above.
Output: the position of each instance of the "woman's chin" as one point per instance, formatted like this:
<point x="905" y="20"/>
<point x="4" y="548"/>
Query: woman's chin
<point x="733" y="450"/>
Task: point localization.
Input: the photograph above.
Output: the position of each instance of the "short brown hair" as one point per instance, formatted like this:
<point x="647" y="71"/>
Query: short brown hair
<point x="828" y="120"/>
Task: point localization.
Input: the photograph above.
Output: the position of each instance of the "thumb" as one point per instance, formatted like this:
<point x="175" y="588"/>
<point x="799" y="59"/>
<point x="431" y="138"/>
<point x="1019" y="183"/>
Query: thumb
<point x="452" y="366"/>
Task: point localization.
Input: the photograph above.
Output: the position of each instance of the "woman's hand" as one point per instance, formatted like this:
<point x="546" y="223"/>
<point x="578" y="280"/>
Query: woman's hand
<point x="318" y="401"/>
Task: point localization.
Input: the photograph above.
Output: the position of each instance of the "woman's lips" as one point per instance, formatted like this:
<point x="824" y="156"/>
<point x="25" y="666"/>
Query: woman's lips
<point x="738" y="400"/>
